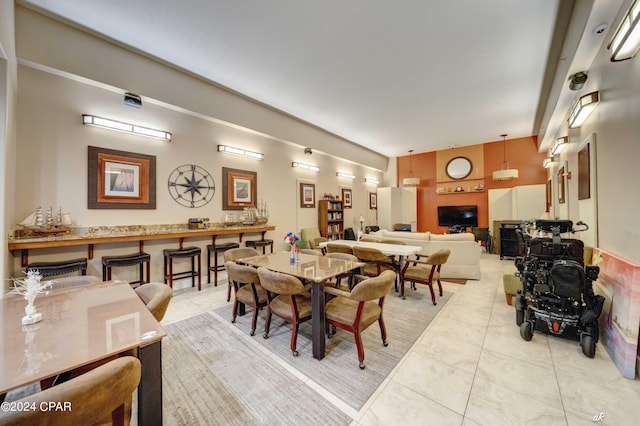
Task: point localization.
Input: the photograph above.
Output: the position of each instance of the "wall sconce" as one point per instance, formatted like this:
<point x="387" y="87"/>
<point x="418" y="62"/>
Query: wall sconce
<point x="548" y="162"/>
<point x="119" y="126"/>
<point x="626" y="40"/>
<point x="372" y="180"/>
<point x="559" y="145"/>
<point x="241" y="152"/>
<point x="582" y="109"/>
<point x="345" y="175"/>
<point x="305" y="166"/>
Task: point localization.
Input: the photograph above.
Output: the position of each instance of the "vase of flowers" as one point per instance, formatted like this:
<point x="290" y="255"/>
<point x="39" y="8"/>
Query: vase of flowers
<point x="292" y="239"/>
<point x="29" y="288"/>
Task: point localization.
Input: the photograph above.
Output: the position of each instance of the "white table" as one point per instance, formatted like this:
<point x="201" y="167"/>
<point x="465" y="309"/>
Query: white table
<point x="386" y="249"/>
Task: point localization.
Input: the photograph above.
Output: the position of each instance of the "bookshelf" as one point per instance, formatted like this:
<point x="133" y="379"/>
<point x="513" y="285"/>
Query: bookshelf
<point x="331" y="219"/>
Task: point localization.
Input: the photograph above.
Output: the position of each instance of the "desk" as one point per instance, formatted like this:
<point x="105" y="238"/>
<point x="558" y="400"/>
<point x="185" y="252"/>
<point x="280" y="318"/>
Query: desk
<point x="317" y="269"/>
<point x="81" y="325"/>
<point x="117" y="234"/>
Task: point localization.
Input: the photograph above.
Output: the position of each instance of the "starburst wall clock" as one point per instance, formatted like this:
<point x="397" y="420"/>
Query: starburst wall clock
<point x="191" y="186"/>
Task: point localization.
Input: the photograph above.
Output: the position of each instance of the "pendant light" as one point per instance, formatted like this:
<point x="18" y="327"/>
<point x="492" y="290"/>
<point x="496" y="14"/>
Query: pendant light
<point x="410" y="181"/>
<point x="505" y="173"/>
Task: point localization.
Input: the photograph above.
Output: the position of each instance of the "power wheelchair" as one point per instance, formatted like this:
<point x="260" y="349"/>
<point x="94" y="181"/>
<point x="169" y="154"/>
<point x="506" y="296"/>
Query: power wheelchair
<point x="557" y="295"/>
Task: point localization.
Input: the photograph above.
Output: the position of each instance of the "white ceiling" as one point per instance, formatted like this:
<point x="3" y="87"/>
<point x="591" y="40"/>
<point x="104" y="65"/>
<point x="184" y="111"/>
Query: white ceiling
<point x="389" y="75"/>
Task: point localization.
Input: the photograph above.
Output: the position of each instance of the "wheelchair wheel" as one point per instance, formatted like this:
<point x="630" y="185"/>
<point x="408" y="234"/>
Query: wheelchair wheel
<point x="588" y="344"/>
<point x="526" y="330"/>
<point x="519" y="303"/>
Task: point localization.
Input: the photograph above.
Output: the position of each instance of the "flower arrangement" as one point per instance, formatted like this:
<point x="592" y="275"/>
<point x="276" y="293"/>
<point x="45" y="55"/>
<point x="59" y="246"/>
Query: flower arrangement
<point x="29" y="288"/>
<point x="291" y="238"/>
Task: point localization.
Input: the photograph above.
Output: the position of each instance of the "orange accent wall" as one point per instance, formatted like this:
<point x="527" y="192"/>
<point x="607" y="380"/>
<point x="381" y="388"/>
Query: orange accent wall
<point x="522" y="154"/>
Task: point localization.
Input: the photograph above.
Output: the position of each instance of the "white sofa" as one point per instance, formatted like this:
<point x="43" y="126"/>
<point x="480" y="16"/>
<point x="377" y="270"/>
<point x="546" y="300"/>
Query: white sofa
<point x="464" y="261"/>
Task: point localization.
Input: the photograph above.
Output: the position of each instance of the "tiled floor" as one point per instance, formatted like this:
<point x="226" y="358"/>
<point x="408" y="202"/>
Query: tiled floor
<point x="470" y="367"/>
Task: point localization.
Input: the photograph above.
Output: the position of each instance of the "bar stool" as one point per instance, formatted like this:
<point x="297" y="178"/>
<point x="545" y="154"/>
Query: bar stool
<point x="217" y="248"/>
<point x="140" y="259"/>
<point x="47" y="269"/>
<point x="187" y="252"/>
<point x="260" y="243"/>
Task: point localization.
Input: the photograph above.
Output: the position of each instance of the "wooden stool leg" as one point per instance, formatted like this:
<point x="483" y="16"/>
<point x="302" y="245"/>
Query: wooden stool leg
<point x="193" y="271"/>
<point x="215" y="269"/>
<point x="104" y="273"/>
<point x="199" y="273"/>
<point x="109" y="274"/>
<point x="164" y="269"/>
<point x="171" y="272"/>
<point x="209" y="266"/>
<point x="149" y="271"/>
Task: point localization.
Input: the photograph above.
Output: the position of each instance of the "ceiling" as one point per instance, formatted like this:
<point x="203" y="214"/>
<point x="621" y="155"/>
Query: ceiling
<point x="391" y="76"/>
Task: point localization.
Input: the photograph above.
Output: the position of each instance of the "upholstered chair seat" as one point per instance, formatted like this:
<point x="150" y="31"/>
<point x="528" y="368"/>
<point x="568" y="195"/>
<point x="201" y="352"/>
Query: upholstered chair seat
<point x="156" y="296"/>
<point x="235" y="254"/>
<point x="425" y="272"/>
<point x="286" y="298"/>
<point x="247" y="289"/>
<point x="356" y="310"/>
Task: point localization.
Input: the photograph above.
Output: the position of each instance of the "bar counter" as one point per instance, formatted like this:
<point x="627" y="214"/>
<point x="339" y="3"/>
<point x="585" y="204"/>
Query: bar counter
<point x="23" y="242"/>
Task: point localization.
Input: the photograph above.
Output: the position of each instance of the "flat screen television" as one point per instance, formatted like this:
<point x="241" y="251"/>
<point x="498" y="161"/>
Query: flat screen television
<point x="458" y="215"/>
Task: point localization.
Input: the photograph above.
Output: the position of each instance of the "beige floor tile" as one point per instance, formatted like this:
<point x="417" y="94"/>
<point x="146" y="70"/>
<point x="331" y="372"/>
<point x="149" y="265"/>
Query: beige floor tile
<point x="459" y="330"/>
<point x="399" y="405"/>
<point x="492" y="404"/>
<point x="505" y="339"/>
<point x="436" y="380"/>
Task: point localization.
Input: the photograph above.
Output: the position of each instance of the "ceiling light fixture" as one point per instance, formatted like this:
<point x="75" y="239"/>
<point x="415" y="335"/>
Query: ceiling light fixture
<point x="410" y="181"/>
<point x="241" y="152"/>
<point x="626" y="40"/>
<point x="345" y="175"/>
<point x="372" y="180"/>
<point x="559" y="145"/>
<point x="505" y="173"/>
<point x="119" y="126"/>
<point x="582" y="109"/>
<point x="305" y="166"/>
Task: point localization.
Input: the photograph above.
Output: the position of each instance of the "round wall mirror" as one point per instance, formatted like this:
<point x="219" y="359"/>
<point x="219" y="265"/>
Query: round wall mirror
<point x="459" y="168"/>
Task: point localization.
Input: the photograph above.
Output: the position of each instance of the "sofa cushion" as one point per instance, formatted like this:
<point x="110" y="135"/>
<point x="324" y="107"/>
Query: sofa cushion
<point x="424" y="236"/>
<point x="467" y="236"/>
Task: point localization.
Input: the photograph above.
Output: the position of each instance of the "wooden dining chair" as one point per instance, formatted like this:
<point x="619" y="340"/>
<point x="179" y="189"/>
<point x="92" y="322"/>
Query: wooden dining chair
<point x="100" y="396"/>
<point x="356" y="310"/>
<point x="235" y="254"/>
<point x="287" y="299"/>
<point x="425" y="271"/>
<point x="375" y="262"/>
<point x="247" y="290"/>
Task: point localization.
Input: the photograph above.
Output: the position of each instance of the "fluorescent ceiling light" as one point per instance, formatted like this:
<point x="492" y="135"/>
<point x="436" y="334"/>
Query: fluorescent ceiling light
<point x="345" y="175"/>
<point x="372" y="180"/>
<point x="305" y="166"/>
<point x="626" y="40"/>
<point x="548" y="162"/>
<point x="582" y="109"/>
<point x="106" y="123"/>
<point x="241" y="152"/>
<point x="559" y="145"/>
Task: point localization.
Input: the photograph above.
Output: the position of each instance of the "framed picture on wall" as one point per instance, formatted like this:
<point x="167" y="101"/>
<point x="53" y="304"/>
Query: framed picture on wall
<point x="373" y="200"/>
<point x="307" y="195"/>
<point x="549" y="196"/>
<point x="346" y="198"/>
<point x="584" y="174"/>
<point x="239" y="188"/>
<point x="561" y="193"/>
<point x="121" y="179"/>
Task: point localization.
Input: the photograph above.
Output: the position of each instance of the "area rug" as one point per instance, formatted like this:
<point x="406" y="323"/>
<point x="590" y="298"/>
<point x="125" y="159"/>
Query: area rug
<point x="339" y="371"/>
<point x="212" y="376"/>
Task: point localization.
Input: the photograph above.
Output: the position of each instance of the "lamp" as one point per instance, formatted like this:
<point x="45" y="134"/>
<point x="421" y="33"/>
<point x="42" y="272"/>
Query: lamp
<point x="372" y="180"/>
<point x="410" y="181"/>
<point x="119" y="126"/>
<point x="582" y="109"/>
<point x="626" y="40"/>
<point x="345" y="175"/>
<point x="305" y="166"/>
<point x="241" y="152"/>
<point x="505" y="173"/>
<point x="559" y="145"/>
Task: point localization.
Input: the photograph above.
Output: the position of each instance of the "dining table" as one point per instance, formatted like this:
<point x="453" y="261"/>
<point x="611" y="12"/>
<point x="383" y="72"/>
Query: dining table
<point x="81" y="325"/>
<point x="309" y="268"/>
